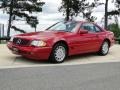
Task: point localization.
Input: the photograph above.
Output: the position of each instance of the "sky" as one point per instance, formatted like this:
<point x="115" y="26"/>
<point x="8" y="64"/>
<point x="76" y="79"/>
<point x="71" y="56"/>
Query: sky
<point x="51" y="15"/>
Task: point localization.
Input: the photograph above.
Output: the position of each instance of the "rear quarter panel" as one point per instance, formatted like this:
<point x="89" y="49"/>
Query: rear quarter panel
<point x="111" y="37"/>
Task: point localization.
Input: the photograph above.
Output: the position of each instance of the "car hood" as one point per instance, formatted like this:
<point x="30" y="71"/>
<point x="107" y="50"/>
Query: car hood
<point x="43" y="35"/>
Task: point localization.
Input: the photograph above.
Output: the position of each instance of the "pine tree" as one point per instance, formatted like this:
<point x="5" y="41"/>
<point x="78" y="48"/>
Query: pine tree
<point x="113" y="12"/>
<point x="75" y="7"/>
<point x="87" y="9"/>
<point x="22" y="9"/>
<point x="69" y="8"/>
<point x="117" y="10"/>
<point x="106" y="15"/>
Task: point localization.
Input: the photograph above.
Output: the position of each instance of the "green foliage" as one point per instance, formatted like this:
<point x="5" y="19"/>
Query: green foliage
<point x="75" y="7"/>
<point x="21" y="10"/>
<point x="88" y="10"/>
<point x="115" y="29"/>
<point x="70" y="8"/>
<point x="17" y="29"/>
<point x="114" y="12"/>
<point x="117" y="10"/>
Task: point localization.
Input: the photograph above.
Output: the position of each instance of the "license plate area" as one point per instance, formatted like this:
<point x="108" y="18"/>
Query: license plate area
<point x="15" y="50"/>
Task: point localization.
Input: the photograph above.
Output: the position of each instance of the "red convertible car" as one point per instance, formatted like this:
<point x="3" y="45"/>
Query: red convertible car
<point x="61" y="40"/>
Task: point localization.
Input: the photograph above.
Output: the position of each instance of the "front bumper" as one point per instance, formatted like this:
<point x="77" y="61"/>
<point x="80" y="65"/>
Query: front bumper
<point x="37" y="53"/>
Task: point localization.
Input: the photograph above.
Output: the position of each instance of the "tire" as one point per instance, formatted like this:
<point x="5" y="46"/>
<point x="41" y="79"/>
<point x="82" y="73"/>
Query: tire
<point x="59" y="53"/>
<point x="104" y="48"/>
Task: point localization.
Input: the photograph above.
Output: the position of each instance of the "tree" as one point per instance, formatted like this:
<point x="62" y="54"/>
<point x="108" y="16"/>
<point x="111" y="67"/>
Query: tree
<point x="114" y="12"/>
<point x="75" y="7"/>
<point x="106" y="14"/>
<point x="69" y="8"/>
<point x="22" y="10"/>
<point x="115" y="26"/>
<point x="88" y="10"/>
<point x="115" y="29"/>
<point x="117" y="10"/>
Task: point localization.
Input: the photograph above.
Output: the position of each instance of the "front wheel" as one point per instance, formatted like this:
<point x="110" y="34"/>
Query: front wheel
<point x="104" y="48"/>
<point x="59" y="53"/>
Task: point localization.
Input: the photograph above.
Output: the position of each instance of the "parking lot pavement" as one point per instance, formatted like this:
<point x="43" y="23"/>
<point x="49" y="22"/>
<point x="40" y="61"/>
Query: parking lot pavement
<point x="9" y="60"/>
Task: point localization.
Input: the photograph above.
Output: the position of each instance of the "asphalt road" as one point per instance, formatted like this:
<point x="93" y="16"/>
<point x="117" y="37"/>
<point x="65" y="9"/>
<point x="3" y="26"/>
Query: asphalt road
<point x="104" y="76"/>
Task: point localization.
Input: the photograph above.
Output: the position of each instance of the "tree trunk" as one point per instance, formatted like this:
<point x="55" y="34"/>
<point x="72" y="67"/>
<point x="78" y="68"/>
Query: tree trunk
<point x="35" y="29"/>
<point x="9" y="26"/>
<point x="67" y="11"/>
<point x="106" y="14"/>
<point x="10" y="19"/>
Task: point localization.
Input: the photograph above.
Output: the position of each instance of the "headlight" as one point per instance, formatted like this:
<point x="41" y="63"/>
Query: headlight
<point x="38" y="43"/>
<point x="11" y="39"/>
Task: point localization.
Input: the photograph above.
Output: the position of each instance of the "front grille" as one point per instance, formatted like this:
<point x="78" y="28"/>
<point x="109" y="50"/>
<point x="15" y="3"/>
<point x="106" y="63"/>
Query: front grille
<point x="19" y="41"/>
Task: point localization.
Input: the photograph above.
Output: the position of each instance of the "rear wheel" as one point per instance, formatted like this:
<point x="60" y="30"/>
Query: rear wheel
<point x="59" y="53"/>
<point x="104" y="48"/>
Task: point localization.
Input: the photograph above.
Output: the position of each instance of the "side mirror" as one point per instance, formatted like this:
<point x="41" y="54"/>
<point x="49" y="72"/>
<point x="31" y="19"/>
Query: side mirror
<point x="81" y="31"/>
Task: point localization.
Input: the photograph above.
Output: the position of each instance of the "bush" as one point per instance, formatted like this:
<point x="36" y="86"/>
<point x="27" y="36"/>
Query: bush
<point x="115" y="29"/>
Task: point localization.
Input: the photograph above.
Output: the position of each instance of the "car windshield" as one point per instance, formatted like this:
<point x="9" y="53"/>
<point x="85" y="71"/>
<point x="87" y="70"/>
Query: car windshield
<point x="63" y="26"/>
